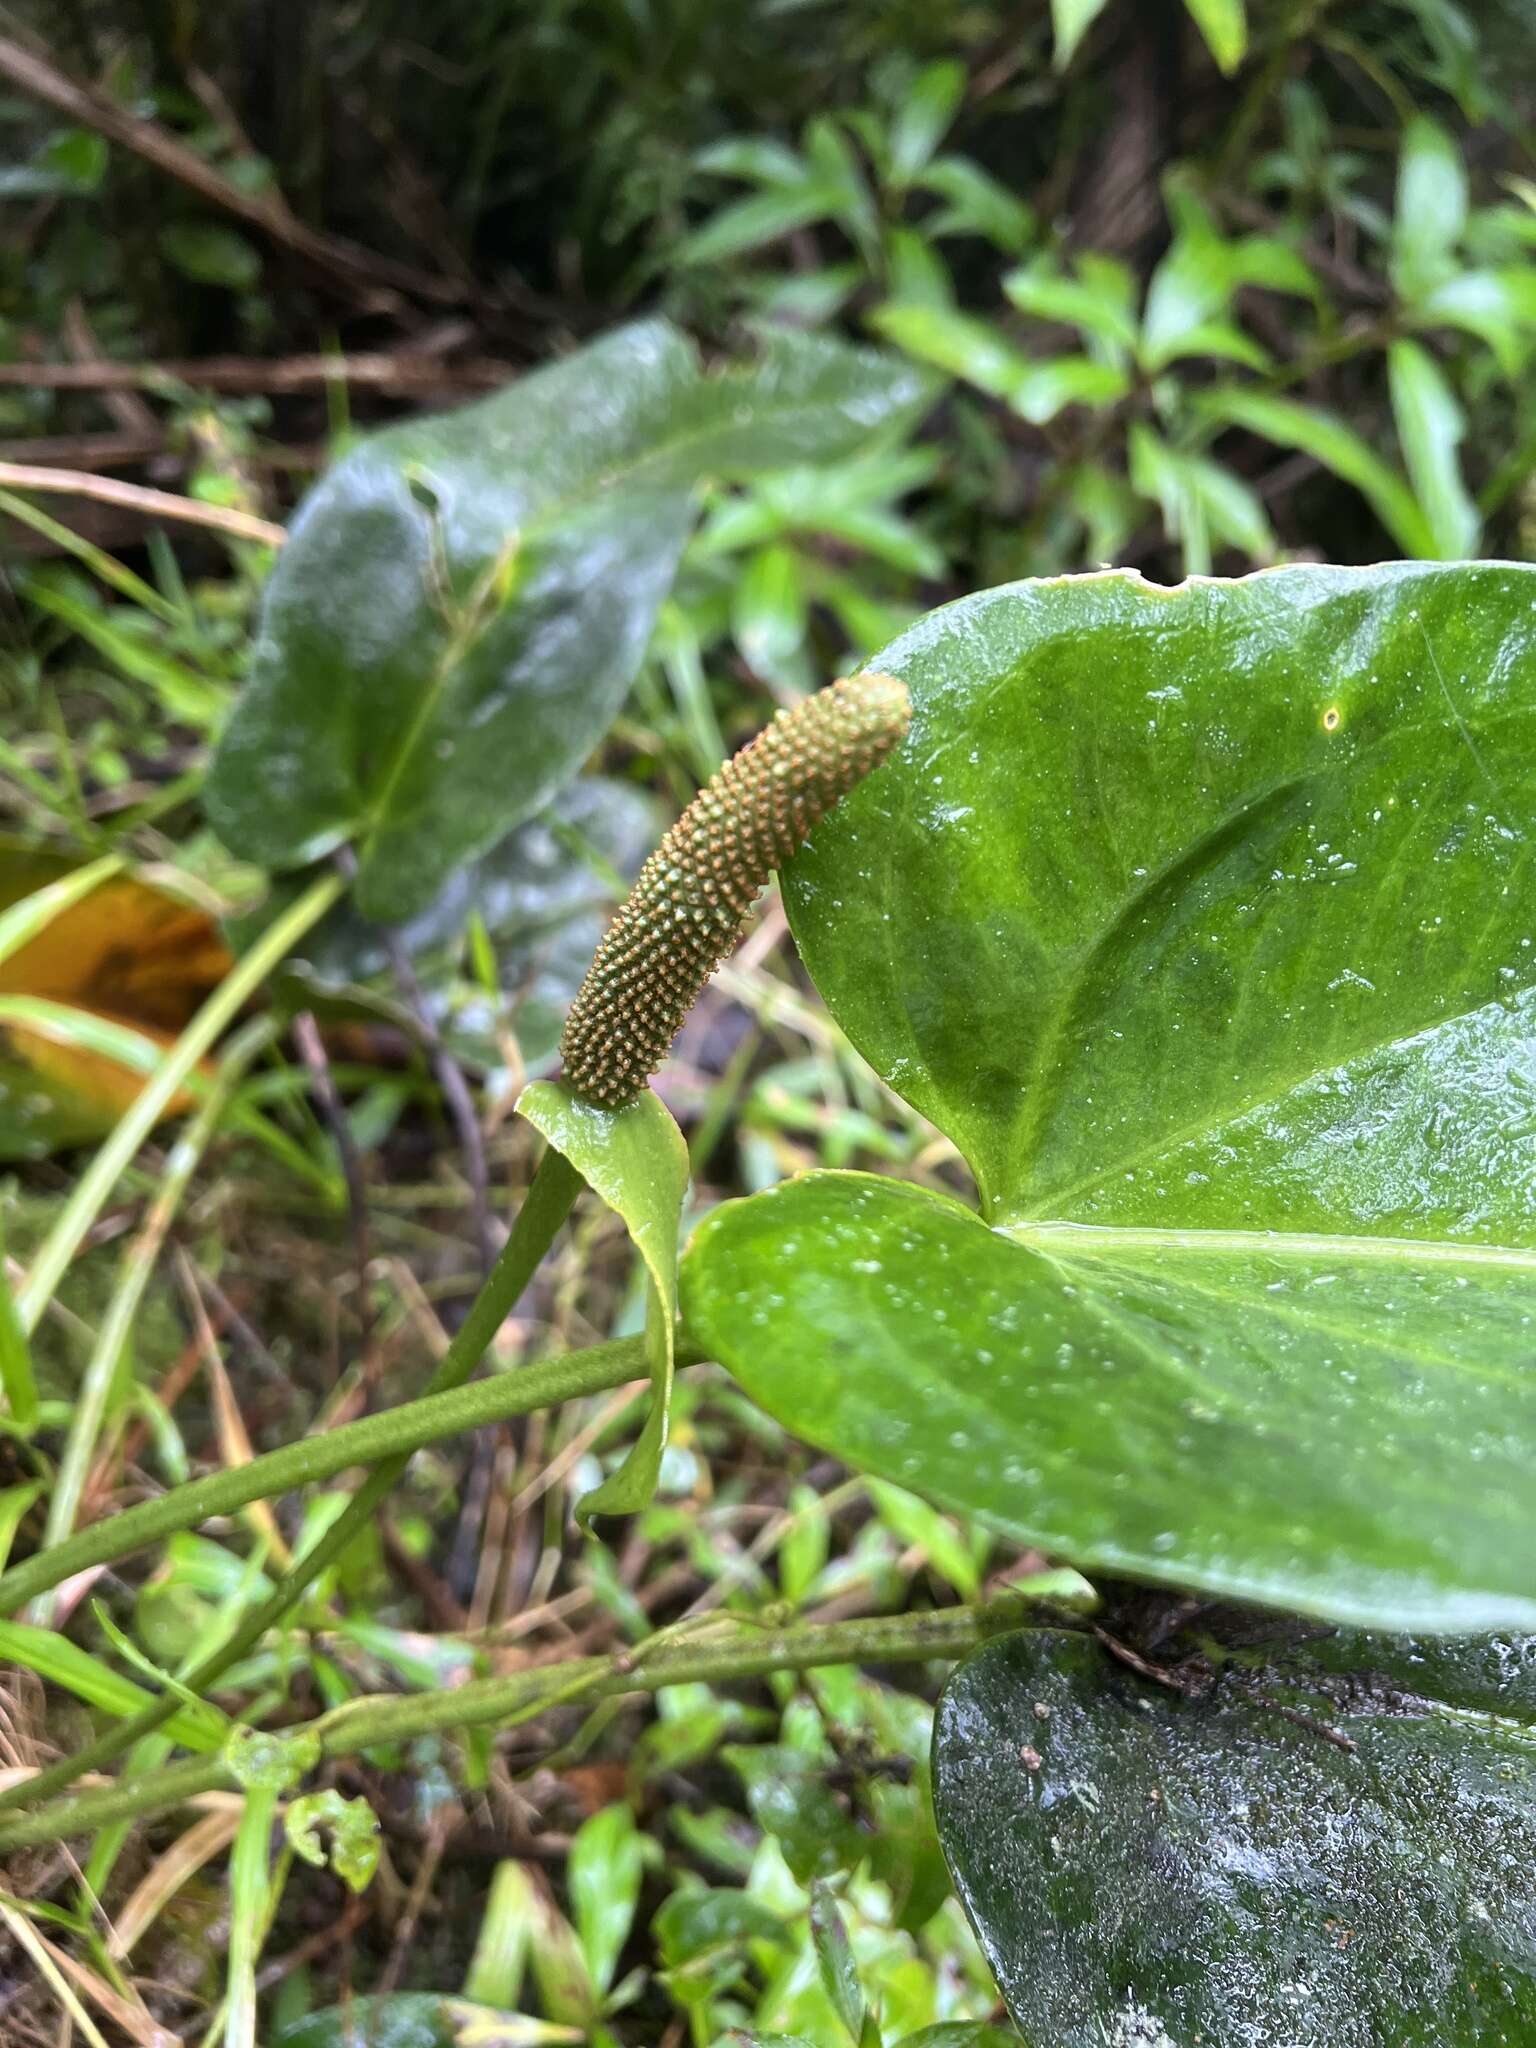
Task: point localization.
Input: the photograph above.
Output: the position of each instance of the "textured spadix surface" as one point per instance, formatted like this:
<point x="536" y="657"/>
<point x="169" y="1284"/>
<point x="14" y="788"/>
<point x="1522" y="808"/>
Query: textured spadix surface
<point x="690" y="900"/>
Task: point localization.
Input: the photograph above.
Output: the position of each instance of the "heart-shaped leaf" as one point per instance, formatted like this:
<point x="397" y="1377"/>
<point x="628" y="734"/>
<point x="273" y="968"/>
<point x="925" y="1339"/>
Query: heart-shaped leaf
<point x="1288" y="1854"/>
<point x="1202" y="920"/>
<point x="464" y="600"/>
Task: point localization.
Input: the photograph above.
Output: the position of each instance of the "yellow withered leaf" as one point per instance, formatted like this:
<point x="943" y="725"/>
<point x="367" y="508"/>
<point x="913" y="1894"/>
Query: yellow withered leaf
<point x="131" y="960"/>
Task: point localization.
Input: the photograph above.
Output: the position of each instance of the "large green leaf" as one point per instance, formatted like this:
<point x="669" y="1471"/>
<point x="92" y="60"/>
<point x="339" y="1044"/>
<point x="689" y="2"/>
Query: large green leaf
<point x="1288" y="1855"/>
<point x="1202" y="921"/>
<point x="464" y="599"/>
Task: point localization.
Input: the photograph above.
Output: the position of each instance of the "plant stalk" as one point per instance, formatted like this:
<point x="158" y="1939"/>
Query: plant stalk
<point x="137" y="1266"/>
<point x="555" y="1187"/>
<point x="396" y="1432"/>
<point x="714" y="1657"/>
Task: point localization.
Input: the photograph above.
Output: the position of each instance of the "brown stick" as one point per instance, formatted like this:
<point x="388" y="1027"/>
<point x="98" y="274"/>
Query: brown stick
<point x="402" y="375"/>
<point x="123" y="451"/>
<point x="268" y="211"/>
<point x="76" y="483"/>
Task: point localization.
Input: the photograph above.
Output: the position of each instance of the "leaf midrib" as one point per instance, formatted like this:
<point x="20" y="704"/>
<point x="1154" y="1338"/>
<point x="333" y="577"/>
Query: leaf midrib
<point x="1104" y="1240"/>
<point x="548" y="517"/>
<point x="1044" y="1100"/>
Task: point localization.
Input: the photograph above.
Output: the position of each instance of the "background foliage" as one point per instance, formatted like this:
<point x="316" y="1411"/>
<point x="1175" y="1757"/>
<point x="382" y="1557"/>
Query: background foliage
<point x="1197" y="288"/>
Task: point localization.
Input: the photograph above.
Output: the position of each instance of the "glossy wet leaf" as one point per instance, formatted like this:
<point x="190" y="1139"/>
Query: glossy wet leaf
<point x="464" y="600"/>
<point x="1202" y="921"/>
<point x="697" y="1926"/>
<point x="635" y="1158"/>
<point x="1145" y="1867"/>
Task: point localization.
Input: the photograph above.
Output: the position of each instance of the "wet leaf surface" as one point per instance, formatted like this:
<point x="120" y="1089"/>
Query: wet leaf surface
<point x="544" y="896"/>
<point x="464" y="599"/>
<point x="636" y="1159"/>
<point x="1294" y="1856"/>
<point x="1202" y="921"/>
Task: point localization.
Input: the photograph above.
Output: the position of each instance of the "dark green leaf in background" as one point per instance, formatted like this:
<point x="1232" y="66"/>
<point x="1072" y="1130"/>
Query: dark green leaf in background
<point x="1431" y="211"/>
<point x="543" y="897"/>
<point x="1202" y="920"/>
<point x="210" y="254"/>
<point x="790" y="1799"/>
<point x="834" y="1956"/>
<point x="465" y="599"/>
<point x="1289" y="1855"/>
<point x="419" y="2019"/>
<point x="1431" y="426"/>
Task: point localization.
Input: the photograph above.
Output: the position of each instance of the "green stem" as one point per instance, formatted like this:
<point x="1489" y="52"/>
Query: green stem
<point x="555" y="1187"/>
<point x="396" y="1431"/>
<point x="249" y="1898"/>
<point x="733" y="1653"/>
<point x="157" y="1094"/>
<point x="138" y="1263"/>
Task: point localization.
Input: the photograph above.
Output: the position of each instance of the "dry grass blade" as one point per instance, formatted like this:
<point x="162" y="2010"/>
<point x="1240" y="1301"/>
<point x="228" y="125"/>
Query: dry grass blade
<point x="62" y="1973"/>
<point x="153" y="504"/>
<point x="204" y="1840"/>
<point x="235" y="1445"/>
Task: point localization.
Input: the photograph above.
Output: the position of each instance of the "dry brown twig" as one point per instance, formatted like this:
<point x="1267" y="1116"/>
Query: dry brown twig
<point x="153" y="504"/>
<point x="332" y="255"/>
<point x="405" y="374"/>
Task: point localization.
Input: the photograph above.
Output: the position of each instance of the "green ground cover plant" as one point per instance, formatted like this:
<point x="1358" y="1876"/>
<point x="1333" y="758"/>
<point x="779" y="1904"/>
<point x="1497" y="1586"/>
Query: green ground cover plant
<point x="1198" y="918"/>
<point x="989" y="1499"/>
